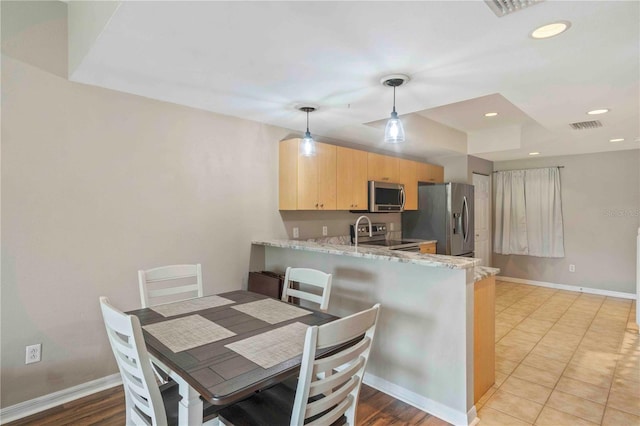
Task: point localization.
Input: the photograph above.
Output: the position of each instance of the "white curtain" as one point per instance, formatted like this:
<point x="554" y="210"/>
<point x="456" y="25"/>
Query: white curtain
<point x="529" y="213"/>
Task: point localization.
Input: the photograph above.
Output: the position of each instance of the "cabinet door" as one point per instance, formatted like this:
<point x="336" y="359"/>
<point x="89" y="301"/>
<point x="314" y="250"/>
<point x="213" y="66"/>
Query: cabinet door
<point x="430" y="173"/>
<point x="326" y="177"/>
<point x="407" y="171"/>
<point x="351" y="172"/>
<point x="308" y="181"/>
<point x="288" y="175"/>
<point x="382" y="168"/>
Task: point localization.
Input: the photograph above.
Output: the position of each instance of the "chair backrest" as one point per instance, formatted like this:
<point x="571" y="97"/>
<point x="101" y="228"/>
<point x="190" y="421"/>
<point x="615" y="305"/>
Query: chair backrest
<point x="310" y="277"/>
<point x="152" y="278"/>
<point x="338" y="376"/>
<point x="142" y="395"/>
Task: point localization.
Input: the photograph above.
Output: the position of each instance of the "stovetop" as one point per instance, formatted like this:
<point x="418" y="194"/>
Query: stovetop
<point x="378" y="237"/>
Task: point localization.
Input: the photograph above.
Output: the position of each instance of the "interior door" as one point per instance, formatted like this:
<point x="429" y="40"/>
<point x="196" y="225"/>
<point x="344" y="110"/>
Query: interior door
<point x="482" y="208"/>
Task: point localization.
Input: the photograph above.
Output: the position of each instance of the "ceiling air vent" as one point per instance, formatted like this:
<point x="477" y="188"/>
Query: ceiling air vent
<point x="505" y="7"/>
<point x="584" y="125"/>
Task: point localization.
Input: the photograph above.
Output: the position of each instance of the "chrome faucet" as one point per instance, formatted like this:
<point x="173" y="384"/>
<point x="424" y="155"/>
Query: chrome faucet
<point x="356" y="229"/>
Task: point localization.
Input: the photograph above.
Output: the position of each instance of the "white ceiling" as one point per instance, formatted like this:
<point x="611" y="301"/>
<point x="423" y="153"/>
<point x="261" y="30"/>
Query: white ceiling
<point x="258" y="60"/>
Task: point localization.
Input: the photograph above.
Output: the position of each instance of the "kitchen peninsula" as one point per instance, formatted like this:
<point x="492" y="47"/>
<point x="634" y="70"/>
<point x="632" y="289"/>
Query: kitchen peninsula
<point x="424" y="348"/>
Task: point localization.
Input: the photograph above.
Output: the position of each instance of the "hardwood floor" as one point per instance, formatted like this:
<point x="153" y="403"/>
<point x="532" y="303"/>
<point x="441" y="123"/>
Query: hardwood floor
<point x="106" y="408"/>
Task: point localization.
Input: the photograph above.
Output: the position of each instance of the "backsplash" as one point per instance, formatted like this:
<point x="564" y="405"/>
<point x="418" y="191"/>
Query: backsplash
<point x="310" y="223"/>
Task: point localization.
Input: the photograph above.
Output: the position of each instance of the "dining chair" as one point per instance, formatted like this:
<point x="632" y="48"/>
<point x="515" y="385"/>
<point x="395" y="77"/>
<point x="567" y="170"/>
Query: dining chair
<point x="309" y="277"/>
<point x="154" y="290"/>
<point x="318" y="399"/>
<point x="146" y="402"/>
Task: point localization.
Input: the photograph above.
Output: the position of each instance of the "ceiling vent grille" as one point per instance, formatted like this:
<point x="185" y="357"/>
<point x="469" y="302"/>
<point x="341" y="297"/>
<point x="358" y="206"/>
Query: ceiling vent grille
<point x="505" y="7"/>
<point x="585" y="125"/>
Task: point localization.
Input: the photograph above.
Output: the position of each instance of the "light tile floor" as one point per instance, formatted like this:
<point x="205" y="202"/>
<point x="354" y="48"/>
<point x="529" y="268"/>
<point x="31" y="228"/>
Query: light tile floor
<point x="563" y="358"/>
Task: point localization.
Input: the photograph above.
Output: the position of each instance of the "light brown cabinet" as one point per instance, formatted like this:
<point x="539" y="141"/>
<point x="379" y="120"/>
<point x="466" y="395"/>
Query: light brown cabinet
<point x="307" y="183"/>
<point x="484" y="333"/>
<point x="336" y="177"/>
<point x="351" y="173"/>
<point x="430" y="173"/>
<point x="407" y="175"/>
<point x="429" y="248"/>
<point x="382" y="168"/>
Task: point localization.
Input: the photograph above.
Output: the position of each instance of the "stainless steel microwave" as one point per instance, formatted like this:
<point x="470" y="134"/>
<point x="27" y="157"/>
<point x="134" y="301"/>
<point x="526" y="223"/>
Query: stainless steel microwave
<point x="386" y="197"/>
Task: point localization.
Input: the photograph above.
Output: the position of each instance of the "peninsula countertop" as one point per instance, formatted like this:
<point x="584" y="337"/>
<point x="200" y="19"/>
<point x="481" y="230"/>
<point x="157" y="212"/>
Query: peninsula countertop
<point x="432" y="260"/>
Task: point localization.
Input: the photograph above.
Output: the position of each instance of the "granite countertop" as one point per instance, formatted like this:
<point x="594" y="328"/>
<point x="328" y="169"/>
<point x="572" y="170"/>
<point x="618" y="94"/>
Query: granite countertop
<point x="338" y="246"/>
<point x="481" y="272"/>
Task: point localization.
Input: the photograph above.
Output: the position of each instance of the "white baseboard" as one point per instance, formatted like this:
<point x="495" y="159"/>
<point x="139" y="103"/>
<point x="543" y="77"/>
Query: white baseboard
<point x="423" y="403"/>
<point x="608" y="293"/>
<point x="41" y="403"/>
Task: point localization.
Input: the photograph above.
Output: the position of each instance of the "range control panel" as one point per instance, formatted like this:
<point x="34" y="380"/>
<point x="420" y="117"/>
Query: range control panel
<point x="376" y="229"/>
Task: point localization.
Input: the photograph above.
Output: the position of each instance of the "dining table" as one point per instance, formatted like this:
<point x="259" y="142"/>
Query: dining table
<point x="222" y="348"/>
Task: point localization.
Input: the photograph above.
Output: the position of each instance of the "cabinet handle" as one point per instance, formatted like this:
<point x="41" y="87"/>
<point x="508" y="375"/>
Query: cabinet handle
<point x="316" y="205"/>
<point x="321" y="205"/>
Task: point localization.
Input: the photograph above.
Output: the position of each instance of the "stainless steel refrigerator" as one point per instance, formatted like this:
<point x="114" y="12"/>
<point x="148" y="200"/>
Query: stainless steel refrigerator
<point x="445" y="214"/>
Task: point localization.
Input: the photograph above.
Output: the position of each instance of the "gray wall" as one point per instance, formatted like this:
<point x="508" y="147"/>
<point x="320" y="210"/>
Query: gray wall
<point x="600" y="203"/>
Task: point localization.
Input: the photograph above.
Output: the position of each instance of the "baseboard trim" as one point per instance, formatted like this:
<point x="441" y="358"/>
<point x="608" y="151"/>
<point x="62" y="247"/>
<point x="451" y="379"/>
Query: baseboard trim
<point x="598" y="291"/>
<point x="423" y="403"/>
<point x="44" y="402"/>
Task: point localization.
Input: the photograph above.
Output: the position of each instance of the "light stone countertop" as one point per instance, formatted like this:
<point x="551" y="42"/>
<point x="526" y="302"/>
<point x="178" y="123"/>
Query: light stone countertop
<point x="481" y="272"/>
<point x="340" y="247"/>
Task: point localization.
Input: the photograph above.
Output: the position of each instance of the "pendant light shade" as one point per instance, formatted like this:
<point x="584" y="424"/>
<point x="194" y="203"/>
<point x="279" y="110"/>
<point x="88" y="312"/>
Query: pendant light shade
<point x="394" y="131"/>
<point x="308" y="145"/>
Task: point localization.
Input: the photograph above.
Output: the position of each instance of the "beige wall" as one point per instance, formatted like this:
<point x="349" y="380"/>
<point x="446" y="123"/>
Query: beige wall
<point x="600" y="205"/>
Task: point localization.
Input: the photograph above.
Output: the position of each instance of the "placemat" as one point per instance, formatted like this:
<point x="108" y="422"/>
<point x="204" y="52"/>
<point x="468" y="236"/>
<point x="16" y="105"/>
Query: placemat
<point x="271" y="311"/>
<point x="190" y="305"/>
<point x="273" y="347"/>
<point x="189" y="332"/>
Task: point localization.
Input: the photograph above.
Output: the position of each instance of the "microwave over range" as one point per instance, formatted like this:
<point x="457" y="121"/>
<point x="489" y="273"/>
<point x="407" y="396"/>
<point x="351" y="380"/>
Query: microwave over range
<point x="386" y="197"/>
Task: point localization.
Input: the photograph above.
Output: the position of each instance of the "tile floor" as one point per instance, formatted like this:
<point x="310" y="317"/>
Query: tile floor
<point x="563" y="358"/>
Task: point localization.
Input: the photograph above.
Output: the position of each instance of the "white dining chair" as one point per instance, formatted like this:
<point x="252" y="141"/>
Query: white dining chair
<point x="327" y="389"/>
<point x="146" y="402"/>
<point x="154" y="288"/>
<point x="311" y="277"/>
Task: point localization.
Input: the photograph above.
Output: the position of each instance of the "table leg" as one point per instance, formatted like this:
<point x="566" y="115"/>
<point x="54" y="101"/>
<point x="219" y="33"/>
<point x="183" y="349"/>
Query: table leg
<point x="190" y="406"/>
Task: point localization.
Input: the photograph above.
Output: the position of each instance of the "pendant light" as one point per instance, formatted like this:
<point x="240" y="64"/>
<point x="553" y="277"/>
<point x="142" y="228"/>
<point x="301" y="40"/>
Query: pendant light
<point x="394" y="131"/>
<point x="308" y="145"/>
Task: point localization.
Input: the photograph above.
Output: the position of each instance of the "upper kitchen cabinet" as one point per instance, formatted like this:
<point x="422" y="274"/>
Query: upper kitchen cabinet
<point x="307" y="183"/>
<point x="408" y="175"/>
<point x="351" y="179"/>
<point x="382" y="168"/>
<point x="430" y="173"/>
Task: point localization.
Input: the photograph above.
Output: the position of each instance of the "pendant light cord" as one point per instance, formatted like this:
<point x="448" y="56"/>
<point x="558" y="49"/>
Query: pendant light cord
<point x="307" y="121"/>
<point x="394" y="98"/>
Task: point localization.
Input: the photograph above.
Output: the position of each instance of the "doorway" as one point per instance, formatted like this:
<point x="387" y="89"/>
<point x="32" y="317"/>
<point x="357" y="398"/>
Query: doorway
<point x="482" y="210"/>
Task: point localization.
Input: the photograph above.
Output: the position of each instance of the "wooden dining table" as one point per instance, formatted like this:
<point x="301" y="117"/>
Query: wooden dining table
<point x="213" y="372"/>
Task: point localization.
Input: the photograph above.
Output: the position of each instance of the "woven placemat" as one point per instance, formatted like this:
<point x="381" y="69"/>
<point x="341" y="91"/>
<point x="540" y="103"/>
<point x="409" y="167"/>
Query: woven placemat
<point x="190" y="305"/>
<point x="189" y="332"/>
<point x="271" y="311"/>
<point x="273" y="347"/>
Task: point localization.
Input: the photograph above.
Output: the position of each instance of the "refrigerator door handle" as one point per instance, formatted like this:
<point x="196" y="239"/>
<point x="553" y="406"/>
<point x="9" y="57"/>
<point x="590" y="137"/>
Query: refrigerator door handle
<point x="466" y="218"/>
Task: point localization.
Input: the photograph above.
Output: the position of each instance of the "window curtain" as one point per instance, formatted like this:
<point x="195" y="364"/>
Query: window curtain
<point x="529" y="213"/>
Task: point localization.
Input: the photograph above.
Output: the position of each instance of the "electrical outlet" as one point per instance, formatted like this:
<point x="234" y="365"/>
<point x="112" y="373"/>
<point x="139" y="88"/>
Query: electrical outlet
<point x="33" y="353"/>
<point x="572" y="268"/>
<point x="325" y="231"/>
<point x="296" y="232"/>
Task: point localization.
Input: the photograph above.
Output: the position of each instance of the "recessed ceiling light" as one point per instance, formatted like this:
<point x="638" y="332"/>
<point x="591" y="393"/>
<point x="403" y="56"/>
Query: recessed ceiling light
<point x="551" y="30"/>
<point x="534" y="153"/>
<point x="598" y="111"/>
<point x="616" y="140"/>
<point x="491" y="114"/>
